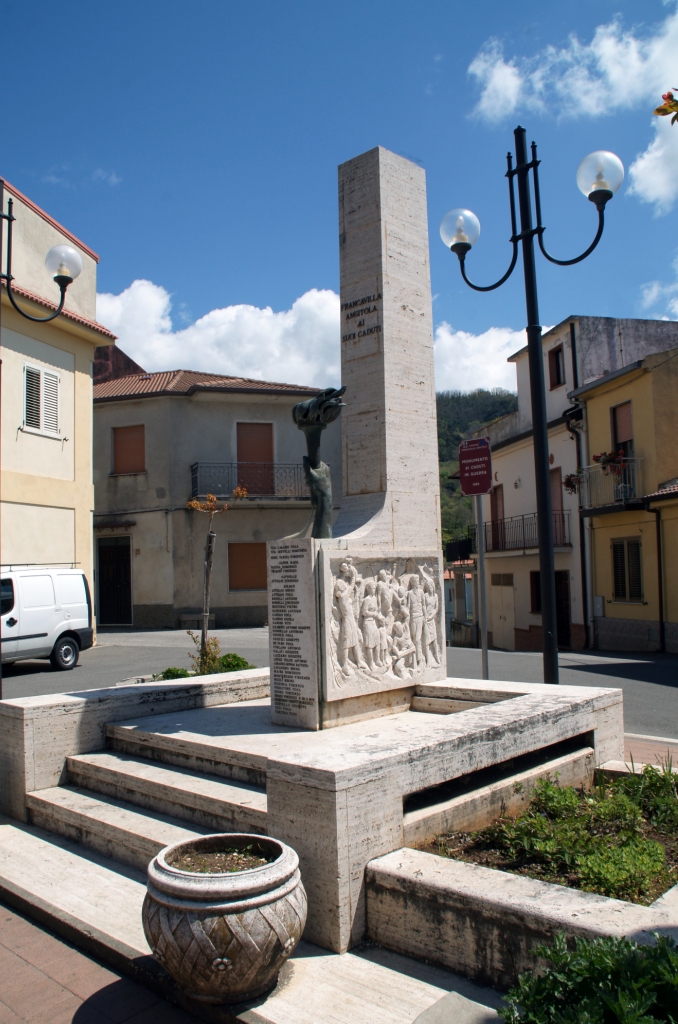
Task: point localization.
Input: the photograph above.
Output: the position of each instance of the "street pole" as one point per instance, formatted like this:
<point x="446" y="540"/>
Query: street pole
<point x="539" y="420"/>
<point x="482" y="595"/>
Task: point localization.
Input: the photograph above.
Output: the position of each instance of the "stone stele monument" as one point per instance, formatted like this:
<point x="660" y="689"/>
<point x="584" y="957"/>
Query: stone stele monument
<point x="356" y="618"/>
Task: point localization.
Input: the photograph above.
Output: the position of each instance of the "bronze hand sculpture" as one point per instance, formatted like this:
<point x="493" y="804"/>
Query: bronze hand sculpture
<point x="312" y="417"/>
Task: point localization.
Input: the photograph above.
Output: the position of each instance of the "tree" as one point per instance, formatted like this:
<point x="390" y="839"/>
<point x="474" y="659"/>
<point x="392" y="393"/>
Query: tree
<point x="211" y="507"/>
<point x="669" y="106"/>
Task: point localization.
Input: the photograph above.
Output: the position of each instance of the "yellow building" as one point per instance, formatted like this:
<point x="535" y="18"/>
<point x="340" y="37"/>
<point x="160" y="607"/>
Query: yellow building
<point x="629" y="503"/>
<point x="46" y="398"/>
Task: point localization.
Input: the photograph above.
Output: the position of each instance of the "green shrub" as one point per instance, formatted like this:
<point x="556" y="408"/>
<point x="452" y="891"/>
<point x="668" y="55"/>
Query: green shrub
<point x="599" y="981"/>
<point x="205" y="662"/>
<point x="233" y="663"/>
<point x="595" y="842"/>
<point x="173" y="673"/>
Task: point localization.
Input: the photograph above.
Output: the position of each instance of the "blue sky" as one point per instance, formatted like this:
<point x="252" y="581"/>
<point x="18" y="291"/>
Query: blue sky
<point x="195" y="148"/>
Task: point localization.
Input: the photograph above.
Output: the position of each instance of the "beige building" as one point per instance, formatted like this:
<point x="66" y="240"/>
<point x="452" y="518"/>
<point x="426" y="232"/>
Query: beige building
<point x="46" y="451"/>
<point x="576" y="352"/>
<point x="161" y="439"/>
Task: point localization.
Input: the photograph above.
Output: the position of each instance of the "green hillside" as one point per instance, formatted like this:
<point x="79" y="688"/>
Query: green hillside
<point x="459" y="414"/>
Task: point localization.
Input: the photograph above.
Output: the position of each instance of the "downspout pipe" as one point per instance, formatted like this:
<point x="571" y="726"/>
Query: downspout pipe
<point x="660" y="574"/>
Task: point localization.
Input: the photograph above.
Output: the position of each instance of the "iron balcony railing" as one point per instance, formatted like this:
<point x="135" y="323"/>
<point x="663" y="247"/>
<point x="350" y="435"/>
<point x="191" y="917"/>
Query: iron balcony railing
<point x="274" y="481"/>
<point x="520" y="532"/>
<point x="614" y="484"/>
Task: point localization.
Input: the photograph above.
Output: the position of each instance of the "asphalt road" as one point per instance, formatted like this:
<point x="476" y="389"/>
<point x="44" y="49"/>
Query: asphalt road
<point x="649" y="681"/>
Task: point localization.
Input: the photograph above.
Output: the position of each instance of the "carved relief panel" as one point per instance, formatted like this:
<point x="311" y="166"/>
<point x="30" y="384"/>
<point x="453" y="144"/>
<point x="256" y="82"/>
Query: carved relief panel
<point x="383" y="622"/>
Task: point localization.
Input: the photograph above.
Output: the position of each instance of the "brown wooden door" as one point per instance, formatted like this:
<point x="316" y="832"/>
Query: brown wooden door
<point x="563" y="609"/>
<point x="255" y="458"/>
<point x="497" y="514"/>
<point x="557" y="507"/>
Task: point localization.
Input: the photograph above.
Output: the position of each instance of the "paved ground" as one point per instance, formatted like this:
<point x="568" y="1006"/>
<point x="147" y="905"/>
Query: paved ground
<point x="649" y="681"/>
<point x="44" y="980"/>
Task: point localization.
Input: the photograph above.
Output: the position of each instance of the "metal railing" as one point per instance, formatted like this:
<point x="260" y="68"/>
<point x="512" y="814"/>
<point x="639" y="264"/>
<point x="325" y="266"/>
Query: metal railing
<point x="520" y="532"/>
<point x="614" y="484"/>
<point x="261" y="480"/>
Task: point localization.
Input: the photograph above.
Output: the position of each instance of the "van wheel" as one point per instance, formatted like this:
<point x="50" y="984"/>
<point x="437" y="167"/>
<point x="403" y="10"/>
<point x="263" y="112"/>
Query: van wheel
<point x="65" y="654"/>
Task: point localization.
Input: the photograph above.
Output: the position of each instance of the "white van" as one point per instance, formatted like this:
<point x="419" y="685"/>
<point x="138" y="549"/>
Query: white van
<point x="44" y="613"/>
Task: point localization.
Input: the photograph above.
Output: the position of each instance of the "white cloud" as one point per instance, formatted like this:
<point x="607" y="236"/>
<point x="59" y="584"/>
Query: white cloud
<point x="618" y="69"/>
<point x="296" y="346"/>
<point x="662" y="298"/>
<point x="653" y="173"/>
<point x="466" y="361"/>
<point x="110" y="177"/>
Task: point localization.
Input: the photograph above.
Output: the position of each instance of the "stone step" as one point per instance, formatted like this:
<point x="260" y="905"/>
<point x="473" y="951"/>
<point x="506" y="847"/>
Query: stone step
<point x="95" y="903"/>
<point x="195" y="751"/>
<point x="111" y="827"/>
<point x="204" y="800"/>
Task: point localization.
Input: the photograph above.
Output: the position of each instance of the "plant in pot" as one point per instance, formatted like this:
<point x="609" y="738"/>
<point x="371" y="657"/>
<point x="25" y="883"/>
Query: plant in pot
<point x="611" y="462"/>
<point x="223" y="912"/>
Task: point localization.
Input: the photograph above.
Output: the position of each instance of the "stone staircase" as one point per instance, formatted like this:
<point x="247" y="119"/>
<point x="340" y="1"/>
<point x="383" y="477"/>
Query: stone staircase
<point x="129" y="806"/>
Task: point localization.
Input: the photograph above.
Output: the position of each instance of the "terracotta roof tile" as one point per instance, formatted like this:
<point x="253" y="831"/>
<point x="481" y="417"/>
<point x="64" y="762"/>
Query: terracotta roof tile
<point x="673" y="489"/>
<point x="67" y="313"/>
<point x="187" y="382"/>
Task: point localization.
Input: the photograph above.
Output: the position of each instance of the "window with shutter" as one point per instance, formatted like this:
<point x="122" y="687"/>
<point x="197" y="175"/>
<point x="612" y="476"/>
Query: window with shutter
<point x="247" y="567"/>
<point x="634" y="573"/>
<point x="32" y="397"/>
<point x="627" y="570"/>
<point x="129" y="449"/>
<point x="50" y="402"/>
<point x="556" y="367"/>
<point x="622" y="429"/>
<point x="41" y="400"/>
<point x="619" y="570"/>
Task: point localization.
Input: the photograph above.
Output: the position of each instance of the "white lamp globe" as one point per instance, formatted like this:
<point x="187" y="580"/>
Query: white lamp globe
<point x="600" y="170"/>
<point x="63" y="261"/>
<point x="459" y="226"/>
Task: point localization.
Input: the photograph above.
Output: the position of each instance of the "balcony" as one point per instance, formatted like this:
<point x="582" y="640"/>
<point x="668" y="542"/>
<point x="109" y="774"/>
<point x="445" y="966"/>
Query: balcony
<point x="614" y="484"/>
<point x="519" y="533"/>
<point x="263" y="480"/>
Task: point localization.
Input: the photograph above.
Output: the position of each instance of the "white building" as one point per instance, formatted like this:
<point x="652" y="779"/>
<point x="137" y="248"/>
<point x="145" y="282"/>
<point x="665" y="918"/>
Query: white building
<point x="161" y="439"/>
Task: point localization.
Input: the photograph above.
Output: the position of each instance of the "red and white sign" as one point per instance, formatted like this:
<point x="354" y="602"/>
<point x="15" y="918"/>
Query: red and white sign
<point x="475" y="466"/>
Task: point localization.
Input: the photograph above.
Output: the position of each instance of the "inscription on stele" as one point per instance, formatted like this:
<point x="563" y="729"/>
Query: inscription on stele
<point x="294" y="663"/>
<point x="356" y="312"/>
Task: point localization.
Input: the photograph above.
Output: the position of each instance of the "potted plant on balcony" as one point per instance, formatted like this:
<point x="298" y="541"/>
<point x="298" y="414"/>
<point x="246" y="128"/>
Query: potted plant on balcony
<point x="223" y="912"/>
<point x="610" y="462"/>
<point x="571" y="482"/>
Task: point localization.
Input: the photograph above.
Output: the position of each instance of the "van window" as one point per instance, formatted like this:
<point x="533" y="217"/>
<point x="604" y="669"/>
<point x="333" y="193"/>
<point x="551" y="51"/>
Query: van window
<point x="6" y="596"/>
<point x="71" y="589"/>
<point x="37" y="592"/>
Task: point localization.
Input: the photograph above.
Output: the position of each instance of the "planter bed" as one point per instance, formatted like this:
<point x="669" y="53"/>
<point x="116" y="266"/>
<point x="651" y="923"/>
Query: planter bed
<point x="620" y="840"/>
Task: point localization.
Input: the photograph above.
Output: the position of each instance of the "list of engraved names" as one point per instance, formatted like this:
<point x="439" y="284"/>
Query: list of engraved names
<point x="294" y="669"/>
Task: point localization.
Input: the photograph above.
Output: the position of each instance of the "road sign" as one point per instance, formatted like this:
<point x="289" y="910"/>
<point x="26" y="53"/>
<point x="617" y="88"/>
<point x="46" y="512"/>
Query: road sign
<point x="475" y="466"/>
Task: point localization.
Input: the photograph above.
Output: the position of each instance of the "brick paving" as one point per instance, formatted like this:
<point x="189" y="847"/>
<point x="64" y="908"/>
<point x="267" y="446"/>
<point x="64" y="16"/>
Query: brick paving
<point x="644" y="750"/>
<point x="44" y="980"/>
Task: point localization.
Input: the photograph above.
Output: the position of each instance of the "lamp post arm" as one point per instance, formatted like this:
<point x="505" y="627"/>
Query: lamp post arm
<point x="577" y="259"/>
<point x="35" y="319"/>
<point x="497" y="284"/>
<point x="63" y="282"/>
<point x="599" y="201"/>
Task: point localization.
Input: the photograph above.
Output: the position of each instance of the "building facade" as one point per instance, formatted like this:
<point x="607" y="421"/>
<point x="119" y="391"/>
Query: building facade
<point x="576" y="352"/>
<point x="164" y="438"/>
<point x="46" y="399"/>
<point x="629" y="501"/>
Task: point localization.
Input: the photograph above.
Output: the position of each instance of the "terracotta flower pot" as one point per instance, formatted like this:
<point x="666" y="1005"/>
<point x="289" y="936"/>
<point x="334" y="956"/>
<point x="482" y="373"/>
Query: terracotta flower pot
<point x="224" y="937"/>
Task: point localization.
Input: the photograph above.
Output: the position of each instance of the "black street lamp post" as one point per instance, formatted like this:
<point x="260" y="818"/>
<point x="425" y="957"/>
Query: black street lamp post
<point x="599" y="176"/>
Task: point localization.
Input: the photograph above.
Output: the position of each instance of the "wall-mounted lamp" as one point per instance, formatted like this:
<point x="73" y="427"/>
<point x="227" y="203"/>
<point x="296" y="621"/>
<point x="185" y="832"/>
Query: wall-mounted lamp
<point x="63" y="262"/>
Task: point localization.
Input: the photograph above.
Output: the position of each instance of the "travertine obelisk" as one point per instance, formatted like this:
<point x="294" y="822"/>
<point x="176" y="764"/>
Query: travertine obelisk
<point x="357" y="620"/>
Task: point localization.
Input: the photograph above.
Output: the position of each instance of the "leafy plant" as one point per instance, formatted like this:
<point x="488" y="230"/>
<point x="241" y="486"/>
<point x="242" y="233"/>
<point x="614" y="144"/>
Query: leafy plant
<point x="599" y="981"/>
<point x="211" y="507"/>
<point x="206" y="659"/>
<point x="233" y="663"/>
<point x="173" y="673"/>
<point x="596" y="842"/>
<point x="669" y="106"/>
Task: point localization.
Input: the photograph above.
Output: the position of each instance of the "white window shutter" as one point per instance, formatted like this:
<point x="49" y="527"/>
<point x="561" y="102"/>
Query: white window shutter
<point x="32" y="397"/>
<point x="50" y="402"/>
